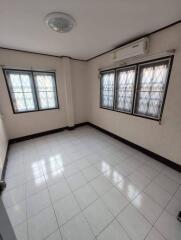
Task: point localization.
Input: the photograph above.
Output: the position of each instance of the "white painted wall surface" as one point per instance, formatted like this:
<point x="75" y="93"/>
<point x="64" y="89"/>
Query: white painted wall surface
<point x="164" y="139"/>
<point x="23" y="124"/>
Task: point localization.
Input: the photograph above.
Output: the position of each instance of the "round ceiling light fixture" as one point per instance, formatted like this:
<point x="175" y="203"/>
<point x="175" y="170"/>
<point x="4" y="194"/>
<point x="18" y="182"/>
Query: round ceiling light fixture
<point x="60" y="22"/>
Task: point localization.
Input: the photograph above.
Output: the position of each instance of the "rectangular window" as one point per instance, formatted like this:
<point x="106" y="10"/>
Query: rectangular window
<point x="125" y="89"/>
<point x="151" y="86"/>
<point x="46" y="90"/>
<point x="107" y="89"/>
<point x="30" y="90"/>
<point x="20" y="84"/>
<point x="138" y="89"/>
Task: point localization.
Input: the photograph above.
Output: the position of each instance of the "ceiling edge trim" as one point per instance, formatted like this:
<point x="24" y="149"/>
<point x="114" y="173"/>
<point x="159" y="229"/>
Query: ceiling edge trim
<point x="135" y="39"/>
<point x="89" y="59"/>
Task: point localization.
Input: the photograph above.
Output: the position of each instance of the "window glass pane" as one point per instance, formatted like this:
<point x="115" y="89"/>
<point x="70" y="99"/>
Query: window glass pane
<point x="125" y="89"/>
<point x="21" y="90"/>
<point x="26" y="83"/>
<point x="19" y="102"/>
<point x="43" y="101"/>
<point x="29" y="101"/>
<point x="51" y="99"/>
<point x="107" y="89"/>
<point x="15" y="83"/>
<point x="152" y="79"/>
<point x="46" y="90"/>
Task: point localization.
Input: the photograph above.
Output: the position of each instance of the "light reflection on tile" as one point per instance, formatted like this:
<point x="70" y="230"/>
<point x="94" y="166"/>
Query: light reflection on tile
<point x="129" y="189"/>
<point x="79" y="168"/>
<point x="113" y="176"/>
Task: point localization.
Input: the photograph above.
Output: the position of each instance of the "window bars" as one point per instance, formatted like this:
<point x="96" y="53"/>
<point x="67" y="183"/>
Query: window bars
<point x="31" y="90"/>
<point x="138" y="89"/>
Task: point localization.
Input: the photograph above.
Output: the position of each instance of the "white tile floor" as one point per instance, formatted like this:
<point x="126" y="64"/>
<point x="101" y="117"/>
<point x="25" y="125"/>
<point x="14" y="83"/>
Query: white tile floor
<point x="84" y="185"/>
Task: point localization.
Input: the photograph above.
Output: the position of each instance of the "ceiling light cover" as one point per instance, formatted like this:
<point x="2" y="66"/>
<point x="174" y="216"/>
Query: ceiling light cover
<point x="60" y="22"/>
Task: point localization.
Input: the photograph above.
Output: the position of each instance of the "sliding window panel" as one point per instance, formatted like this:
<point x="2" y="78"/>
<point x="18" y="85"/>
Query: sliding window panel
<point x="151" y="88"/>
<point x="46" y="90"/>
<point x="107" y="89"/>
<point x="125" y="82"/>
<point x="21" y="90"/>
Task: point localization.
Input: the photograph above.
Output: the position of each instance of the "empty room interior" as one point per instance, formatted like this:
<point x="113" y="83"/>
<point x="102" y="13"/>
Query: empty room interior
<point x="90" y="120"/>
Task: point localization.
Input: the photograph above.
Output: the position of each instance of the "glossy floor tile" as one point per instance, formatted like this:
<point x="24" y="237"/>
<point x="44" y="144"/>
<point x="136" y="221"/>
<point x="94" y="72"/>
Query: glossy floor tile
<point x="134" y="223"/>
<point x="85" y="196"/>
<point x="115" y="201"/>
<point x="169" y="226"/>
<point x="150" y="209"/>
<point x="42" y="225"/>
<point x="65" y="209"/>
<point x="154" y="235"/>
<point x="77" y="229"/>
<point x="114" y="231"/>
<point x="84" y="185"/>
<point x="158" y="194"/>
<point x="98" y="216"/>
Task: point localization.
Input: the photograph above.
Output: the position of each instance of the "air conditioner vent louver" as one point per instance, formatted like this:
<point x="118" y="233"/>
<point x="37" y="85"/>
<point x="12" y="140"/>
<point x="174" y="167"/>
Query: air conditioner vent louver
<point x="135" y="49"/>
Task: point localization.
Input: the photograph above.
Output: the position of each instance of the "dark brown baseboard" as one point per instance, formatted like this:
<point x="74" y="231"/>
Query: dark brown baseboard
<point x="149" y="153"/>
<point x="41" y="134"/>
<point x="5" y="163"/>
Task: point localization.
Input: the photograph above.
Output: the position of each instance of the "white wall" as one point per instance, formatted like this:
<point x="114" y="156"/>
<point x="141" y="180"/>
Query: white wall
<point x="80" y="90"/>
<point x="23" y="124"/>
<point x="18" y="125"/>
<point x="164" y="139"/>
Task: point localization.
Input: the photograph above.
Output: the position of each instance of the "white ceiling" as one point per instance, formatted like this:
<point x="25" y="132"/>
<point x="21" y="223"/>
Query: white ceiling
<point x="101" y="24"/>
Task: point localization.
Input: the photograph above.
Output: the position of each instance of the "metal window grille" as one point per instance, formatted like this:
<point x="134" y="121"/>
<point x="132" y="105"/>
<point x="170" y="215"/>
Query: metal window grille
<point x="107" y="89"/>
<point x="138" y="89"/>
<point x="31" y="90"/>
<point x="125" y="89"/>
<point x="21" y="90"/>
<point x="46" y="90"/>
<point x="152" y="81"/>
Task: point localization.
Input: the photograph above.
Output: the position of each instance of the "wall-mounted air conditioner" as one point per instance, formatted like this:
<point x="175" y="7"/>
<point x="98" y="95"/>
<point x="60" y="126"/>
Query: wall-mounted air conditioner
<point x="135" y="49"/>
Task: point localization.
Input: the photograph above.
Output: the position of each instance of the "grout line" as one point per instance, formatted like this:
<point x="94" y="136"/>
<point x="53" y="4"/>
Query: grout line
<point x="142" y="191"/>
<point x="53" y="209"/>
<point x="80" y="209"/>
<point x="99" y="197"/>
<point x="163" y="209"/>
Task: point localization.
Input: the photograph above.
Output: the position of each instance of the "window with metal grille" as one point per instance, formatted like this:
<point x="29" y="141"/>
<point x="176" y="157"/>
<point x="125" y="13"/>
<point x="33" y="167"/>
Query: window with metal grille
<point x="125" y="81"/>
<point x="107" y="89"/>
<point x="138" y="89"/>
<point x="20" y="85"/>
<point x="151" y="86"/>
<point x="46" y="90"/>
<point x="31" y="90"/>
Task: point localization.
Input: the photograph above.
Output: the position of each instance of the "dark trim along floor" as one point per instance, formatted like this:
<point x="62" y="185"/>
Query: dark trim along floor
<point x="153" y="155"/>
<point x="41" y="134"/>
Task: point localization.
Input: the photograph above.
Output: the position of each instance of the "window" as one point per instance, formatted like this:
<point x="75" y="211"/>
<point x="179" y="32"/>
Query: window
<point x="125" y="89"/>
<point x="31" y="91"/>
<point x="138" y="89"/>
<point x="107" y="89"/>
<point x="46" y="90"/>
<point x="21" y="90"/>
<point x="152" y="82"/>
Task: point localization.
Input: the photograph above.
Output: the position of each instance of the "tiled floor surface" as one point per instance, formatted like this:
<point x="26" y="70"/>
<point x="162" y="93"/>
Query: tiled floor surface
<point x="84" y="185"/>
